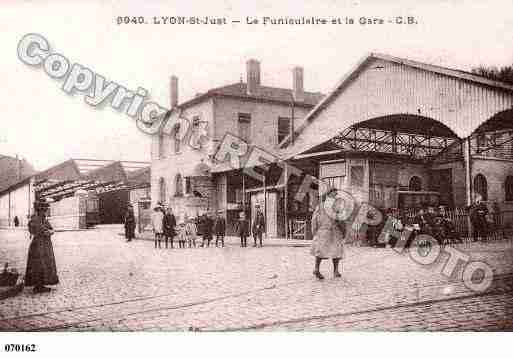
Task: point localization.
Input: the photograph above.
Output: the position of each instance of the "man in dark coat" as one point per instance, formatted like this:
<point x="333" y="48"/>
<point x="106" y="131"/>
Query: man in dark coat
<point x="449" y="231"/>
<point x="207" y="226"/>
<point x="129" y="224"/>
<point x="198" y="220"/>
<point x="258" y="227"/>
<point x="169" y="224"/>
<point x="242" y="228"/>
<point x="478" y="213"/>
<point x="41" y="268"/>
<point x="220" y="229"/>
<point x="424" y="221"/>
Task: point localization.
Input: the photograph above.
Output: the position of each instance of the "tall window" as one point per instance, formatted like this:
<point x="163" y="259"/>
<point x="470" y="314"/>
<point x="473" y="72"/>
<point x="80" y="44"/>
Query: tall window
<point x="481" y="186"/>
<point x="178" y="186"/>
<point x="245" y="126"/>
<point x="283" y="128"/>
<point x="509" y="188"/>
<point x="161" y="149"/>
<point x="188" y="185"/>
<point x="415" y="184"/>
<point x="162" y="190"/>
<point x="357" y="174"/>
<point x="176" y="137"/>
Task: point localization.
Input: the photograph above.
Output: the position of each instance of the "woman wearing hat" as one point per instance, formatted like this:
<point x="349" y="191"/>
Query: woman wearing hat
<point x="329" y="234"/>
<point x="41" y="267"/>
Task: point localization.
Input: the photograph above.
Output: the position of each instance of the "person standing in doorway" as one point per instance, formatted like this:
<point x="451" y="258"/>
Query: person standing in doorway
<point x="243" y="229"/>
<point x="41" y="268"/>
<point x="258" y="227"/>
<point x="129" y="224"/>
<point x="169" y="224"/>
<point x="220" y="229"/>
<point x="478" y="214"/>
<point x="16" y="221"/>
<point x="329" y="234"/>
<point x="157" y="219"/>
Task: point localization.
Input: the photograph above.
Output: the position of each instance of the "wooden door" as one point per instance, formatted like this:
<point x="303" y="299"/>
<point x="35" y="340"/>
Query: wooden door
<point x="441" y="181"/>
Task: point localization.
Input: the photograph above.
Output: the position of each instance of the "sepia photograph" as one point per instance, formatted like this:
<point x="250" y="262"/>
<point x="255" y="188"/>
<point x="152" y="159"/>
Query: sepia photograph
<point x="337" y="167"/>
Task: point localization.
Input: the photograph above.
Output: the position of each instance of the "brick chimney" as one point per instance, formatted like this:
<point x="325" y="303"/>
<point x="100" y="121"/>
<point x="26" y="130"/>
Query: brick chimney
<point x="173" y="91"/>
<point x="297" y="84"/>
<point x="253" y="76"/>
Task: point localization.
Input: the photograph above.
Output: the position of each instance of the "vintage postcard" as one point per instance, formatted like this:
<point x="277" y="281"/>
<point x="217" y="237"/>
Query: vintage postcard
<point x="277" y="166"/>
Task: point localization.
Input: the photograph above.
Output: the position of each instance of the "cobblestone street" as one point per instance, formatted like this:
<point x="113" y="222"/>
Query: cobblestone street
<point x="108" y="284"/>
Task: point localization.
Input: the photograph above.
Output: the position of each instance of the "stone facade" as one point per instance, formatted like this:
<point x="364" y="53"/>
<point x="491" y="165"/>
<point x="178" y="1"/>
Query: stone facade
<point x="13" y="170"/>
<point x="174" y="175"/>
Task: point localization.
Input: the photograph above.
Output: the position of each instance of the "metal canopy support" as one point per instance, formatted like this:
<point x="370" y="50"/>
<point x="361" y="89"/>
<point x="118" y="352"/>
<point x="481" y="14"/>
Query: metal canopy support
<point x="265" y="205"/>
<point x="486" y="141"/>
<point x="286" y="200"/>
<point x="390" y="141"/>
<point x="467" y="158"/>
<point x="243" y="192"/>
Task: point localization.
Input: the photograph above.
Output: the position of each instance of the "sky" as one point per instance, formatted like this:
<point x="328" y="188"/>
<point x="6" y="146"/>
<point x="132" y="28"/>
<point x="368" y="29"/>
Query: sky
<point x="46" y="126"/>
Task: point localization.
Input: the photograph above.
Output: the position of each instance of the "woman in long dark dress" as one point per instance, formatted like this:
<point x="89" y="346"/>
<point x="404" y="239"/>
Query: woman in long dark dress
<point x="41" y="267"/>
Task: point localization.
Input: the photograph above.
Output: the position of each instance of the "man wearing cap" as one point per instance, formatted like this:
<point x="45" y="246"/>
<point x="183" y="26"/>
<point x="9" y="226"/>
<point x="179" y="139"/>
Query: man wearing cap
<point x="206" y="228"/>
<point x="129" y="224"/>
<point x="478" y="212"/>
<point x="242" y="228"/>
<point x="258" y="227"/>
<point x="220" y="228"/>
<point x="169" y="224"/>
<point x="41" y="267"/>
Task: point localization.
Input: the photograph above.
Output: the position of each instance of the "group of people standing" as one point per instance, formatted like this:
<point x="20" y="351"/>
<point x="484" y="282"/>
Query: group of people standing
<point x="429" y="220"/>
<point x="434" y="222"/>
<point x="243" y="228"/>
<point x="187" y="230"/>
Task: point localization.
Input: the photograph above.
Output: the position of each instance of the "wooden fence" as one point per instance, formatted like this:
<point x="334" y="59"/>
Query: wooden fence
<point x="501" y="221"/>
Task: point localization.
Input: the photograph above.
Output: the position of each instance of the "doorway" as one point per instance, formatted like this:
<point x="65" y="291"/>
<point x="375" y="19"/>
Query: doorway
<point x="441" y="181"/>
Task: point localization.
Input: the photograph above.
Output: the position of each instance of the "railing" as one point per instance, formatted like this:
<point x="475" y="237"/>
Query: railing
<point x="501" y="222"/>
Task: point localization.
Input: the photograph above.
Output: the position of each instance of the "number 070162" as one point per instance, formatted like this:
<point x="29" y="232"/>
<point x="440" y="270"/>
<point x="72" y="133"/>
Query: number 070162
<point x="20" y="347"/>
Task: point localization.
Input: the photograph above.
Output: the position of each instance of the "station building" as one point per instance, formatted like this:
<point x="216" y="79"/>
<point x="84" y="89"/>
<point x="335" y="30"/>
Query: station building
<point x="395" y="133"/>
<point x="185" y="175"/>
<point x="398" y="133"/>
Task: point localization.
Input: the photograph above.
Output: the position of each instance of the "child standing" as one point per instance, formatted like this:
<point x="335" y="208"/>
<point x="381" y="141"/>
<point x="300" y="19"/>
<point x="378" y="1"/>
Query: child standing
<point x="181" y="234"/>
<point x="191" y="232"/>
<point x="220" y="228"/>
<point x="243" y="229"/>
<point x="156" y="221"/>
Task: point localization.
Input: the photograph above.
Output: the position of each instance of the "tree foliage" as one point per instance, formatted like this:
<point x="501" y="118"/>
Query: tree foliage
<point x="504" y="74"/>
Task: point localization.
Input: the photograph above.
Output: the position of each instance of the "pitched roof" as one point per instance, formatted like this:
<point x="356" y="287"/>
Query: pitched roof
<point x="264" y="93"/>
<point x="140" y="176"/>
<point x="360" y="66"/>
<point x="108" y="173"/>
<point x="13" y="169"/>
<point x="65" y="171"/>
